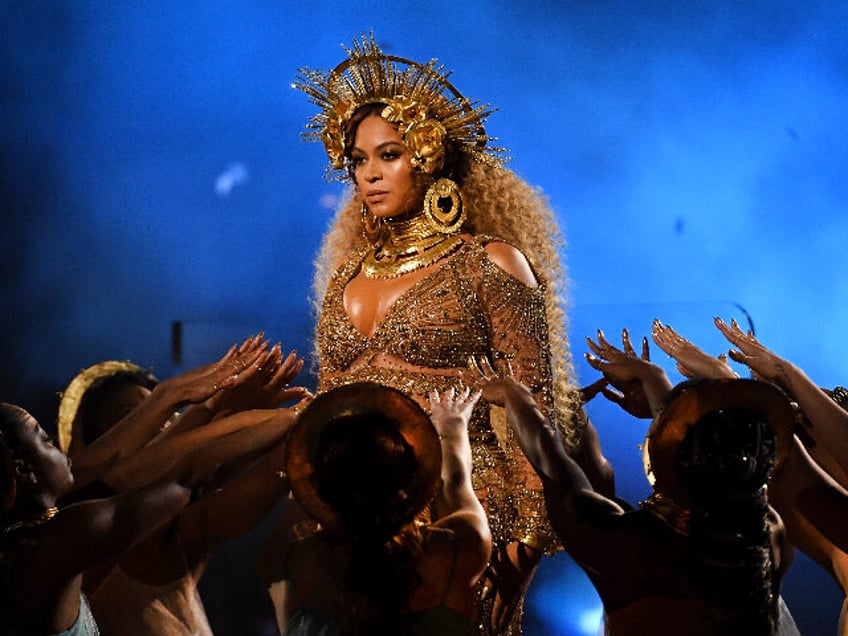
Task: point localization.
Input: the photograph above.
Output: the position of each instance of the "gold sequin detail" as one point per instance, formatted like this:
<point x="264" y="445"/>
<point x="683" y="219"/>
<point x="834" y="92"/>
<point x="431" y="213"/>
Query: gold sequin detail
<point x="466" y="307"/>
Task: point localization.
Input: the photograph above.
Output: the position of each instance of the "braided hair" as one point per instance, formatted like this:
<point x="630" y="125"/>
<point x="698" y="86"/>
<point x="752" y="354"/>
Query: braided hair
<point x="725" y="461"/>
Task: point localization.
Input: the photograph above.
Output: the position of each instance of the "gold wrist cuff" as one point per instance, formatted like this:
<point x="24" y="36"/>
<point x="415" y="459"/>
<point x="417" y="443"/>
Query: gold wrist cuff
<point x="542" y="540"/>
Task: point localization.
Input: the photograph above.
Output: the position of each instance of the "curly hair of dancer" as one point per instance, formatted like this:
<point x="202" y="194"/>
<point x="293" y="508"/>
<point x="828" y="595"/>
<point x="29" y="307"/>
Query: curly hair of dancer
<point x="730" y="529"/>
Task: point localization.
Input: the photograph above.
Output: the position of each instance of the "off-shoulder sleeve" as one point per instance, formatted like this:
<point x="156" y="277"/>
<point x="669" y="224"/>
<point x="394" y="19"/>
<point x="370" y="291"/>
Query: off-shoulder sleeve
<point x="519" y="341"/>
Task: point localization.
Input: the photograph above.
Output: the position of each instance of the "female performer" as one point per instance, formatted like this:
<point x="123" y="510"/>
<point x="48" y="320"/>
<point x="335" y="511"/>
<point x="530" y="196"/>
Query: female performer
<point x="704" y="555"/>
<point x="366" y="460"/>
<point x="441" y="255"/>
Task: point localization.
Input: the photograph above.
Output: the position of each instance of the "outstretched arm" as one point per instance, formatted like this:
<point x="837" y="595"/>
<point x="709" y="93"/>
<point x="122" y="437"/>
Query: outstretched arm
<point x="456" y="502"/>
<point x="265" y="386"/>
<point x="229" y="439"/>
<point x="450" y="413"/>
<point x="826" y="422"/>
<point x="148" y="418"/>
<point x="200" y="412"/>
<point x="814" y="509"/>
<point x="590" y="457"/>
<point x="236" y="508"/>
<point x="570" y="497"/>
<point x="692" y="361"/>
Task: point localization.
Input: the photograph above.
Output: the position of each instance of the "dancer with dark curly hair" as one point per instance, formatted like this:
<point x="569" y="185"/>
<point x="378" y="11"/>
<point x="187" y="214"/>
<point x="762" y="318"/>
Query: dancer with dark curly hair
<point x="704" y="554"/>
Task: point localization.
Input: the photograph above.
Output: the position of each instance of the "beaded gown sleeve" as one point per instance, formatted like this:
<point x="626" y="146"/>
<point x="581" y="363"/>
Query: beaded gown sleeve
<point x="468" y="306"/>
<point x="518" y="340"/>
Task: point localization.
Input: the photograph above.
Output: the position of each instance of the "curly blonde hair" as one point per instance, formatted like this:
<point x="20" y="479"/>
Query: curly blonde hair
<point x="502" y="205"/>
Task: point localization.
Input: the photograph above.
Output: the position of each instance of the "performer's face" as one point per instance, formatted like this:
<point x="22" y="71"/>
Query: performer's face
<point x="385" y="178"/>
<point x="50" y="467"/>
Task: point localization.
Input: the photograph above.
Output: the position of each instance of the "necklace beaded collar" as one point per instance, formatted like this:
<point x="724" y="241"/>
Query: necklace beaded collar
<point x="409" y="245"/>
<point x="40" y="519"/>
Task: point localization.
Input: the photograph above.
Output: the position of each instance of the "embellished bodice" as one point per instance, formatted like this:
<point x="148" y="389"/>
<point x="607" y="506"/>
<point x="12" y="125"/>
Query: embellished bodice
<point x="466" y="306"/>
<point x="435" y="323"/>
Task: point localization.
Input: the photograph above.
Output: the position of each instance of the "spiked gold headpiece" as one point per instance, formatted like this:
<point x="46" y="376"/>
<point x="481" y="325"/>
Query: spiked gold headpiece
<point x="430" y="113"/>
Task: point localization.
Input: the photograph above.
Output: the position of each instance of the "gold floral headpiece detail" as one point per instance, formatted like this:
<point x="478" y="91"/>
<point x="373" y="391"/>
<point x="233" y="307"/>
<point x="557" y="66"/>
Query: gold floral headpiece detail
<point x="429" y="112"/>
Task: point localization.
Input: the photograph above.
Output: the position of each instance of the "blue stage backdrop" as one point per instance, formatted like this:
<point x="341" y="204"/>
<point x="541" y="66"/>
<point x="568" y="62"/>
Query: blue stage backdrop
<point x="154" y="184"/>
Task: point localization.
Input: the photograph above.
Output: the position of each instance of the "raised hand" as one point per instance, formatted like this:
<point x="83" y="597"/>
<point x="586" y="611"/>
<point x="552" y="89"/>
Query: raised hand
<point x="482" y="375"/>
<point x="265" y="384"/>
<point x="199" y="384"/>
<point x="691" y="361"/>
<point x="763" y="363"/>
<point x="451" y="411"/>
<point x="640" y="384"/>
<point x="824" y="423"/>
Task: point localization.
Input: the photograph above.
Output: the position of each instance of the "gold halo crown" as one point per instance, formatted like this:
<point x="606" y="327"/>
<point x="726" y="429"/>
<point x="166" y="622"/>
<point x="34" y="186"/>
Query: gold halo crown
<point x="429" y="112"/>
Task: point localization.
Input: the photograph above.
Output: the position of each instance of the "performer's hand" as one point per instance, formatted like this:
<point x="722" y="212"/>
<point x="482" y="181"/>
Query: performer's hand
<point x="197" y="385"/>
<point x="496" y="388"/>
<point x="639" y="384"/>
<point x="451" y="411"/>
<point x="624" y="371"/>
<point x="764" y="364"/>
<point x="588" y="392"/>
<point x="267" y="386"/>
<point x="691" y="361"/>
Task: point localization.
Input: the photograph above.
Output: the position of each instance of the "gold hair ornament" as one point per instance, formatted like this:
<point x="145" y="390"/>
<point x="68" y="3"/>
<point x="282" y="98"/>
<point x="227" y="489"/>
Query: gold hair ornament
<point x="430" y="113"/>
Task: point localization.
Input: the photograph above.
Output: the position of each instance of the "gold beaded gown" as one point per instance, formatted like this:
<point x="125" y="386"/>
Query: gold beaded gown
<point x="467" y="306"/>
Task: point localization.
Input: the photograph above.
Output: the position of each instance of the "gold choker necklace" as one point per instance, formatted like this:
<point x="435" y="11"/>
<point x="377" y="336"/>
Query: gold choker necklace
<point x="410" y="244"/>
<point x="38" y="520"/>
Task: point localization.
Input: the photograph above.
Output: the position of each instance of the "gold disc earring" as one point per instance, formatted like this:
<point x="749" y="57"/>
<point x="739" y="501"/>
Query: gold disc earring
<point x="443" y="207"/>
